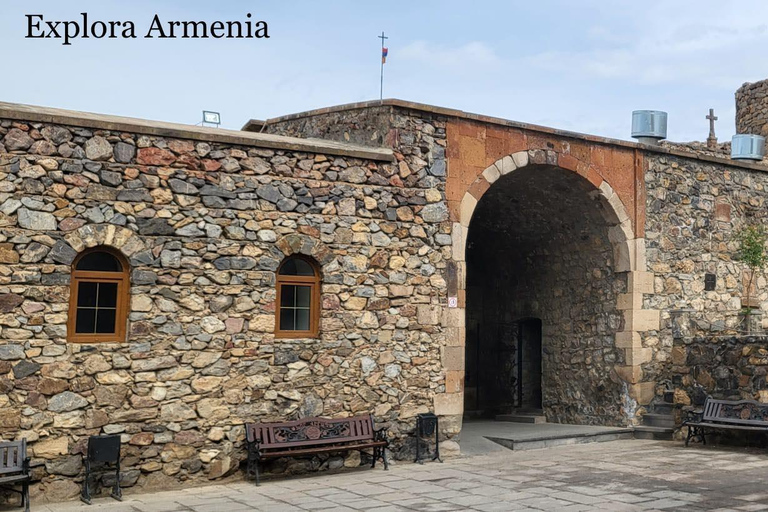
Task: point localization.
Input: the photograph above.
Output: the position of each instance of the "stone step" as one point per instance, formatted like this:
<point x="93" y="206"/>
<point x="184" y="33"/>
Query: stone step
<point x="522" y="417"/>
<point x="664" y="408"/>
<point x="472" y="414"/>
<point x="559" y="440"/>
<point x="659" y="420"/>
<point x="657" y="433"/>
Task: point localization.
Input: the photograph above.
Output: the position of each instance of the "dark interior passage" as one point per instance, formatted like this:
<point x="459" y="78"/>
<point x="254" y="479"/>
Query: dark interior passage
<point x="529" y="362"/>
<point x="541" y="301"/>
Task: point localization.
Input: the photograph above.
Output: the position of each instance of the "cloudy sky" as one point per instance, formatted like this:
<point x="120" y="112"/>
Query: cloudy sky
<point x="576" y="65"/>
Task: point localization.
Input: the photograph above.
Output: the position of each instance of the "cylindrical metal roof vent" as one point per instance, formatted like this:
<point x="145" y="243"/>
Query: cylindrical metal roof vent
<point x="747" y="147"/>
<point x="649" y="126"/>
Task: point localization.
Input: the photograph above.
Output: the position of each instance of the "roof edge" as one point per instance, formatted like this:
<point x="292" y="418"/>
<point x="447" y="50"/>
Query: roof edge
<point x="32" y="113"/>
<point x="255" y="124"/>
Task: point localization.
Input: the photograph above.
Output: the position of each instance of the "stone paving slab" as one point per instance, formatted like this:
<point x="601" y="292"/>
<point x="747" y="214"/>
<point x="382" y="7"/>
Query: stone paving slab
<point x="633" y="475"/>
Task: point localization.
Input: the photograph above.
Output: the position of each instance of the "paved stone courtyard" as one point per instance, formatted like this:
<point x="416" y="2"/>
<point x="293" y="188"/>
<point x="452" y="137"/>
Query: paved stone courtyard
<point x="615" y="476"/>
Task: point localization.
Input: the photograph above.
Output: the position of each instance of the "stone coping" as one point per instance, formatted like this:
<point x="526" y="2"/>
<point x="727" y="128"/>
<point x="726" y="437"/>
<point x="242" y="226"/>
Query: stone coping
<point x="255" y="125"/>
<point x="31" y="113"/>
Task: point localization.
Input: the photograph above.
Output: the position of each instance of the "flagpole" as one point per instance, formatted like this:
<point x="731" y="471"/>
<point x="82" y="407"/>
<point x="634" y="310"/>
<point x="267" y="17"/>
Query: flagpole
<point x="381" y="87"/>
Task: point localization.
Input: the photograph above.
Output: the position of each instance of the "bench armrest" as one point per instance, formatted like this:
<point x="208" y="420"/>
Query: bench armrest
<point x="380" y="434"/>
<point x="693" y="416"/>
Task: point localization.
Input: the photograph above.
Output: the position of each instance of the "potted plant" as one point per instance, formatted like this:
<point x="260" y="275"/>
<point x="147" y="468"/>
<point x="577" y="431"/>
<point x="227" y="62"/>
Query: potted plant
<point x="752" y="239"/>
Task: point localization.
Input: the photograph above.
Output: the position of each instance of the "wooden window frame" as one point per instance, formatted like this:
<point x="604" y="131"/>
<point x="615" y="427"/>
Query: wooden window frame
<point x="314" y="282"/>
<point x="122" y="279"/>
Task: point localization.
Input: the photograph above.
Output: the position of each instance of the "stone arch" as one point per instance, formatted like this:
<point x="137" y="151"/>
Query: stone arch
<point x="110" y="235"/>
<point x="629" y="251"/>
<point x="306" y="245"/>
<point x="629" y="258"/>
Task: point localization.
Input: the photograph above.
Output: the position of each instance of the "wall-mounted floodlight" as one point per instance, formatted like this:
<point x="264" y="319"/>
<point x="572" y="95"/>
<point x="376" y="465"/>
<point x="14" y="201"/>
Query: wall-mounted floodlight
<point x="213" y="118"/>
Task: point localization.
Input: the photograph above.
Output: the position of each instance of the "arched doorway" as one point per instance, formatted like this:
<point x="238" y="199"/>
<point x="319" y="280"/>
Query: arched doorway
<point x="541" y="300"/>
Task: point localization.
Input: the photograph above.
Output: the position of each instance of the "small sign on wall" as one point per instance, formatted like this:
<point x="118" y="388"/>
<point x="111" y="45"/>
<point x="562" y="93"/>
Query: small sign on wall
<point x="710" y="282"/>
<point x="453" y="302"/>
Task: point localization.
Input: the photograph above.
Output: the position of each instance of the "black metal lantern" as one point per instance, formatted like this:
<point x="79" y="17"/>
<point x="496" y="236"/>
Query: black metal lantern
<point x="426" y="425"/>
<point x="104" y="453"/>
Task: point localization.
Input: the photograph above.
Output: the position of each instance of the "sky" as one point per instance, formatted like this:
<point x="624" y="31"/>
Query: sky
<point x="574" y="65"/>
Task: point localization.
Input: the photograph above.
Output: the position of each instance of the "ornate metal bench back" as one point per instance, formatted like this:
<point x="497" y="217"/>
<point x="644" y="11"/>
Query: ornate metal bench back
<point x="311" y="432"/>
<point x="12" y="456"/>
<point x="743" y="412"/>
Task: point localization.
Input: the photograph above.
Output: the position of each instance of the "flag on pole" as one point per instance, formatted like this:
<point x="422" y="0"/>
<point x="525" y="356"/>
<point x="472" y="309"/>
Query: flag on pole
<point x="384" y="52"/>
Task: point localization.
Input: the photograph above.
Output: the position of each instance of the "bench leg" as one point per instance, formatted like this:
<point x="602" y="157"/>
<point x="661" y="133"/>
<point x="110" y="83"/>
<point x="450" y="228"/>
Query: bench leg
<point x="117" y="493"/>
<point x="85" y="494"/>
<point x="252" y="468"/>
<point x="379" y="452"/>
<point x="25" y="496"/>
<point x="697" y="432"/>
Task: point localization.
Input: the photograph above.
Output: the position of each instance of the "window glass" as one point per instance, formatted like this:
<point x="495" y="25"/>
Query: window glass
<point x="96" y="307"/>
<point x="287" y="296"/>
<point x="86" y="320"/>
<point x="105" y="321"/>
<point x="107" y="295"/>
<point x="86" y="295"/>
<point x="295" y="304"/>
<point x="296" y="267"/>
<point x="99" y="261"/>
<point x="302" y="319"/>
<point x="287" y="320"/>
<point x="303" y="296"/>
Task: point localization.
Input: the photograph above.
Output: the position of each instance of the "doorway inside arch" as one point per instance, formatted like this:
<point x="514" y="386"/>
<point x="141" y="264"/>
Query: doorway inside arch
<point x="503" y="371"/>
<point x="541" y="302"/>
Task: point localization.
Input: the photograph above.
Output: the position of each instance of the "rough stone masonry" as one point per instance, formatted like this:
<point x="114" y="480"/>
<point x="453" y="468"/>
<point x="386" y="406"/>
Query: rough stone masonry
<point x="670" y="213"/>
<point x="602" y="240"/>
<point x="205" y="225"/>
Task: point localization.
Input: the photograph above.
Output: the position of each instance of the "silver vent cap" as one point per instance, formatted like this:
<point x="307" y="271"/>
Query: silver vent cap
<point x="747" y="147"/>
<point x="649" y="126"/>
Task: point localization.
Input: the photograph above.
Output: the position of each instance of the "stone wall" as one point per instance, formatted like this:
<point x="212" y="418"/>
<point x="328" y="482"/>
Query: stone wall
<point x="752" y="108"/>
<point x="725" y="367"/>
<point x="460" y="154"/>
<point x="694" y="209"/>
<point x="684" y="209"/>
<point x="418" y="140"/>
<point x="372" y="126"/>
<point x="204" y="226"/>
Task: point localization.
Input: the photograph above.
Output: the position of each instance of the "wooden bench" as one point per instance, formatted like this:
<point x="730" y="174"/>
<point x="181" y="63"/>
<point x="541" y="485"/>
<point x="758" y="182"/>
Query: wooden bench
<point x="14" y="469"/>
<point x="745" y="415"/>
<point x="310" y="436"/>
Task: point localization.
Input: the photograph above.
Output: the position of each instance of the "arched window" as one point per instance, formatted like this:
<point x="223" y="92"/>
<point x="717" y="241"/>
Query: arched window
<point x="298" y="298"/>
<point x="99" y="297"/>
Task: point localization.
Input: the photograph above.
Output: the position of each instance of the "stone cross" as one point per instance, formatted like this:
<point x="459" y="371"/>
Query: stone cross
<point x="712" y="139"/>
